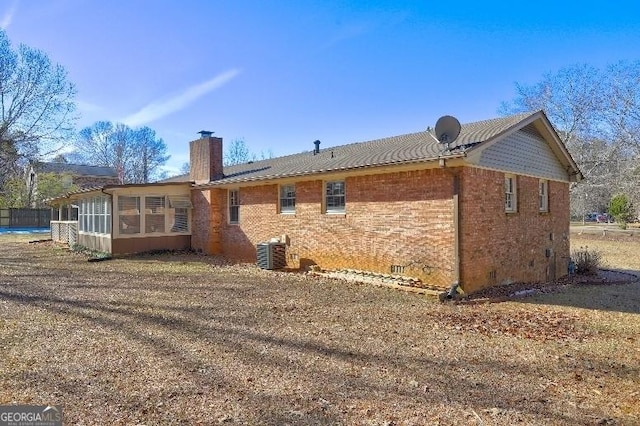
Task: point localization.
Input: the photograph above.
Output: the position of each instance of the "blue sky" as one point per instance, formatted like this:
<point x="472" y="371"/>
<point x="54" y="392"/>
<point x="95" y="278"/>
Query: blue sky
<point x="281" y="74"/>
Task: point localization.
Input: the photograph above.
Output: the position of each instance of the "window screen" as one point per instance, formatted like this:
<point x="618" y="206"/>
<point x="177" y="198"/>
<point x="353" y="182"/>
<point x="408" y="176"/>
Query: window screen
<point x="129" y="215"/>
<point x="154" y="214"/>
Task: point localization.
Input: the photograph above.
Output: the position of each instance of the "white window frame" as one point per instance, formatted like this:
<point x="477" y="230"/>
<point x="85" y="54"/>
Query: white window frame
<point x="234" y="206"/>
<point x="510" y="194"/>
<point x="287" y="199"/>
<point x="123" y="225"/>
<point x="332" y="194"/>
<point x="543" y="195"/>
<point x="94" y="215"/>
<point x="154" y="210"/>
<point x="171" y="213"/>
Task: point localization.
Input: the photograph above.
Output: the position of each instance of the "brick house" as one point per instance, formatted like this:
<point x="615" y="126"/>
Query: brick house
<point x="491" y="208"/>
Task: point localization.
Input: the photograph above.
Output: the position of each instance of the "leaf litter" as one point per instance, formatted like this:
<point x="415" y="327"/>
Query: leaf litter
<point x="180" y="338"/>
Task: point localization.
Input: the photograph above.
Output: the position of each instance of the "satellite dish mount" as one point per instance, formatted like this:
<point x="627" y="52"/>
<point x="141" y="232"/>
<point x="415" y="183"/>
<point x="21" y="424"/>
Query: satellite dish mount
<point x="447" y="130"/>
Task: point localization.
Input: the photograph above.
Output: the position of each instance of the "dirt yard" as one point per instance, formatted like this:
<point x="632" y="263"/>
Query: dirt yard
<point x="186" y="339"/>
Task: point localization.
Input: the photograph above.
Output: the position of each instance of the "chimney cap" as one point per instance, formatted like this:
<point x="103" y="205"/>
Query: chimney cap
<point x="205" y="133"/>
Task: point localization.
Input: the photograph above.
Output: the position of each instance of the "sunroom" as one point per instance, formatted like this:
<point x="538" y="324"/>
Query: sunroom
<point x="133" y="218"/>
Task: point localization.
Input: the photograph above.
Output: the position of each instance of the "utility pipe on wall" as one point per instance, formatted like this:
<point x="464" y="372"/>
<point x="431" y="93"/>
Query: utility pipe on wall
<point x="456" y="231"/>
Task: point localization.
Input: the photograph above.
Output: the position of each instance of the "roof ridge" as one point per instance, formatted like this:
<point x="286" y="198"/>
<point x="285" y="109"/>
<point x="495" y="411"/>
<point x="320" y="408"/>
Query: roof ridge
<point x="408" y="134"/>
<point x="74" y="164"/>
<point x="417" y="146"/>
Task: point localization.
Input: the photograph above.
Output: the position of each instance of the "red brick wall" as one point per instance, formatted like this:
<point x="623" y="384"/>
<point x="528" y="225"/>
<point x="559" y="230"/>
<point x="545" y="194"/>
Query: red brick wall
<point x="497" y="247"/>
<point x="207" y="219"/>
<point x="403" y="218"/>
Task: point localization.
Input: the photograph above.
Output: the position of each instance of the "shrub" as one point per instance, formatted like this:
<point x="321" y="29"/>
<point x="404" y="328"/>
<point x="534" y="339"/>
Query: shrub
<point x="586" y="261"/>
<point x="621" y="209"/>
<point x="93" y="254"/>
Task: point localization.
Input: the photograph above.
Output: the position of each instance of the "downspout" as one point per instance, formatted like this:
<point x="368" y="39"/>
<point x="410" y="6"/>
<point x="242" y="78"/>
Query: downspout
<point x="455" y="286"/>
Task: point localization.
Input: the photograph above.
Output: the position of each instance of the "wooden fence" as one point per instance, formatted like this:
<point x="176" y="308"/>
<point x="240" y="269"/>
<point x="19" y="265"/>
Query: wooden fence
<point x="25" y="218"/>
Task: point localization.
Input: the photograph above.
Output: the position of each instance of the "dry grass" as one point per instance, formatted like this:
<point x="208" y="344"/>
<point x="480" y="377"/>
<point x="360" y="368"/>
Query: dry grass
<point x="621" y="249"/>
<point x="186" y="339"/>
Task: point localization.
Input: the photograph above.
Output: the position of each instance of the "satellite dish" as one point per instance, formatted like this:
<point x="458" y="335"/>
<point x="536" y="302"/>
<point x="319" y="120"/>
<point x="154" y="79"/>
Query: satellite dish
<point x="447" y="129"/>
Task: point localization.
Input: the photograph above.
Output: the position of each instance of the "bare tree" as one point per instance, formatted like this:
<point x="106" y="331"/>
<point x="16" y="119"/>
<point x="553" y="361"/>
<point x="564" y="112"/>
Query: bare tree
<point x="137" y="155"/>
<point x="623" y="104"/>
<point x="151" y="154"/>
<point x="237" y="153"/>
<point x="185" y="168"/>
<point x="623" y="119"/>
<point x="36" y="105"/>
<point x="571" y="98"/>
<point x="597" y="115"/>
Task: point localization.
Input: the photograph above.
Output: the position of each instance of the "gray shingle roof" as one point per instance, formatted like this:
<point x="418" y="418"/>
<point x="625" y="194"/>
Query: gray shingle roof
<point x="408" y="148"/>
<point x="77" y="169"/>
<point x="179" y="178"/>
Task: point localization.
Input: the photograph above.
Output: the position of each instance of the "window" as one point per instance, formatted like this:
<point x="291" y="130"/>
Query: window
<point x="287" y="199"/>
<point x="98" y="216"/>
<point x="91" y="221"/>
<point x="81" y="215"/>
<point x="94" y="215"/>
<point x="334" y="197"/>
<point x="543" y="195"/>
<point x="107" y="216"/>
<point x="510" y="194"/>
<point x="234" y="206"/>
<point x="129" y="215"/>
<point x="153" y="214"/>
<point x="179" y="212"/>
<point x="180" y="220"/>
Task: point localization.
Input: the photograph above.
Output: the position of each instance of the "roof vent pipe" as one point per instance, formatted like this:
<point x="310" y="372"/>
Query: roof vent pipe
<point x="317" y="148"/>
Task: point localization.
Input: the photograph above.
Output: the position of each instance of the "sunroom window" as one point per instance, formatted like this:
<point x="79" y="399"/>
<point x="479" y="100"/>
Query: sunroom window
<point x="129" y="215"/>
<point x="154" y="214"/>
<point x="94" y="215"/>
<point x="179" y="212"/>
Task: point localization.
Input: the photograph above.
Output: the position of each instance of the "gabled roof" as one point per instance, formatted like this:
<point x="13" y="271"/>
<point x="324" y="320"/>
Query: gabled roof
<point x="76" y="169"/>
<point x="416" y="147"/>
<point x="409" y="148"/>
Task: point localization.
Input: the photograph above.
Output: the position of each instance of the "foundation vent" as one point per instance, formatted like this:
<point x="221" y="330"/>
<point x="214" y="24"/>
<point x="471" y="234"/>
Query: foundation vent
<point x="397" y="269"/>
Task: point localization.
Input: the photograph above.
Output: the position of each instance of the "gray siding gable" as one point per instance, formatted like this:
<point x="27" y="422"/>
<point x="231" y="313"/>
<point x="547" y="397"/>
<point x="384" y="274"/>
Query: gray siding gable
<point x="523" y="152"/>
